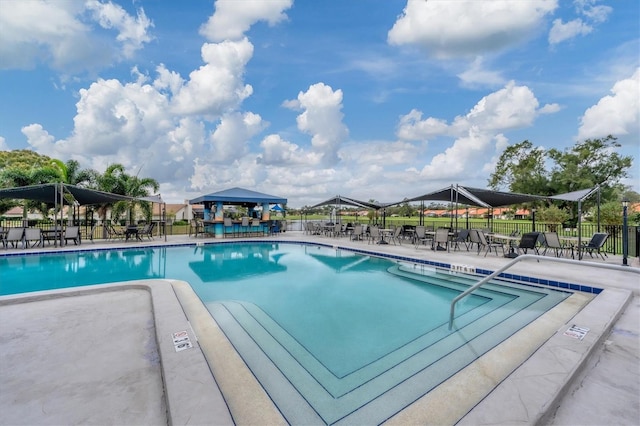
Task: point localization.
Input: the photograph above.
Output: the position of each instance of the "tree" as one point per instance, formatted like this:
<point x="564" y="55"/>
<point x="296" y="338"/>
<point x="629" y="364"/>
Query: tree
<point x="522" y="168"/>
<point x="590" y="163"/>
<point x="553" y="216"/>
<point x="117" y="181"/>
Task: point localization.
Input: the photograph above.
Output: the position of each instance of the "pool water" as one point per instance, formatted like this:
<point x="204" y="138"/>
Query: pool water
<point x="329" y="333"/>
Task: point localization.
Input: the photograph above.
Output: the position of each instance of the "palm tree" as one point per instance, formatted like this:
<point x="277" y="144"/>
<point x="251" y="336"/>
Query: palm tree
<point x="117" y="181"/>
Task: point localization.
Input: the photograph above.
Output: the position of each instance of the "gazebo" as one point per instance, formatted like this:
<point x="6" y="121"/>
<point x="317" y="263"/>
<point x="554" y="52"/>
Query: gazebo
<point x="252" y="200"/>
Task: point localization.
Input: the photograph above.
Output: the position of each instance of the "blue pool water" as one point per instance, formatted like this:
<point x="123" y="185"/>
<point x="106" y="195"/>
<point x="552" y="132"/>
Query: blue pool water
<point x="342" y="328"/>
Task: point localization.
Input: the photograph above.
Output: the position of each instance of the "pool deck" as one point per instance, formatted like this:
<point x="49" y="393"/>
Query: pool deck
<point x="114" y="355"/>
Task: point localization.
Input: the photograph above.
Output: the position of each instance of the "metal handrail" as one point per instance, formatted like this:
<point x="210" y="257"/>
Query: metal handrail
<point x="538" y="258"/>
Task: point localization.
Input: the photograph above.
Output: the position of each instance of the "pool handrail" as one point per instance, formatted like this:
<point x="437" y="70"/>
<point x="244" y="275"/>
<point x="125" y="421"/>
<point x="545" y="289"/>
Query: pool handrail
<point x="538" y="258"/>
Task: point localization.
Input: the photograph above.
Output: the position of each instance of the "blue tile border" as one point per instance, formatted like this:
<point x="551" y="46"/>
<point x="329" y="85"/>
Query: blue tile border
<point x="522" y="279"/>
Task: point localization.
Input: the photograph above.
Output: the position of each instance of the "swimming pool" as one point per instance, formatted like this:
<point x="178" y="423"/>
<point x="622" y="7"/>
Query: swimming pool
<point x="332" y="335"/>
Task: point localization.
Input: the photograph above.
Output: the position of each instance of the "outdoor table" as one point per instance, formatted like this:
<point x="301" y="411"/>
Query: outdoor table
<point x="573" y="243"/>
<point x="383" y="233"/>
<point x="508" y="239"/>
<point x="51" y="235"/>
<point x="132" y="231"/>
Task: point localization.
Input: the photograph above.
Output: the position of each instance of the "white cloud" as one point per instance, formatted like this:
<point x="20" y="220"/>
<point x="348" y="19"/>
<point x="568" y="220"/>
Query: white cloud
<point x="59" y="34"/>
<point x="616" y="114"/>
<point x="322" y="118"/>
<point x="561" y="31"/>
<point x="479" y="133"/>
<point x="232" y="18"/>
<point x="413" y="128"/>
<point x="229" y="140"/>
<point x="39" y="139"/>
<point x="277" y="151"/>
<point x="477" y="75"/>
<point x="593" y="15"/>
<point x="468" y="28"/>
<point x="218" y="85"/>
<point x="3" y="144"/>
<point x="132" y="32"/>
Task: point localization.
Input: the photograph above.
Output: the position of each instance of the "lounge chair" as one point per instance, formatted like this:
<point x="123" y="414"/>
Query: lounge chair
<point x="595" y="244"/>
<point x="72" y="233"/>
<point x="32" y="237"/>
<point x="13" y="237"/>
<point x="529" y="241"/>
<point x="552" y="241"/>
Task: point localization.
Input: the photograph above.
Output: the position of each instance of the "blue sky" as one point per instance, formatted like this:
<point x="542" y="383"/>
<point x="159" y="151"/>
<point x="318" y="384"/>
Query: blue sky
<point x="308" y="99"/>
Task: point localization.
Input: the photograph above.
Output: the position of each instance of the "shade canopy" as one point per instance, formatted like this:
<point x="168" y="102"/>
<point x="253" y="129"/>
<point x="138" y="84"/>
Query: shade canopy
<point x="339" y="200"/>
<point x="50" y="193"/>
<point x="476" y="197"/>
<point x="575" y="195"/>
<point x="238" y="196"/>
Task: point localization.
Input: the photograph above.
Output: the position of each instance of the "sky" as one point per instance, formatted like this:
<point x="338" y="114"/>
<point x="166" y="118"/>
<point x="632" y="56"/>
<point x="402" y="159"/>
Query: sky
<point x="369" y="99"/>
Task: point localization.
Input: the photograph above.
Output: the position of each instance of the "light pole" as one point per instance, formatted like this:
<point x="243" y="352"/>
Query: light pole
<point x="533" y="220"/>
<point x="625" y="232"/>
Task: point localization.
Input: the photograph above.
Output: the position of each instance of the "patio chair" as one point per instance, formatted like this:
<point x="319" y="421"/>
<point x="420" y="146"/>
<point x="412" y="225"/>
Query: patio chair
<point x="474" y="238"/>
<point x="229" y="230"/>
<point x="13" y="237"/>
<point x="595" y="244"/>
<point x="147" y="230"/>
<point x="33" y="236"/>
<point x="358" y="232"/>
<point x="397" y="234"/>
<point x="115" y="233"/>
<point x="488" y="245"/>
<point x="421" y="237"/>
<point x="441" y="237"/>
<point x="255" y="227"/>
<point x="196" y="228"/>
<point x="374" y="235"/>
<point x="529" y="241"/>
<point x="72" y="233"/>
<point x="244" y="225"/>
<point x="552" y="241"/>
<point x="462" y="237"/>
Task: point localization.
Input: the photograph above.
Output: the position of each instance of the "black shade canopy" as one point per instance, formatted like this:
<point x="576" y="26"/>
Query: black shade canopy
<point x="339" y="200"/>
<point x="50" y="193"/>
<point x="476" y="197"/>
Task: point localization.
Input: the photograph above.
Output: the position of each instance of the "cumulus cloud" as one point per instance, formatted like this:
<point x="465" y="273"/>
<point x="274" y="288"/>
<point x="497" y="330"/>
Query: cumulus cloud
<point x="468" y="28"/>
<point x="218" y="85"/>
<point x="132" y="32"/>
<point x="322" y="118"/>
<point x="479" y="133"/>
<point x="59" y="35"/>
<point x="229" y="140"/>
<point x="616" y="114"/>
<point x="561" y="31"/>
<point x="3" y="144"/>
<point x="232" y="18"/>
<point x="477" y="75"/>
<point x="590" y="14"/>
